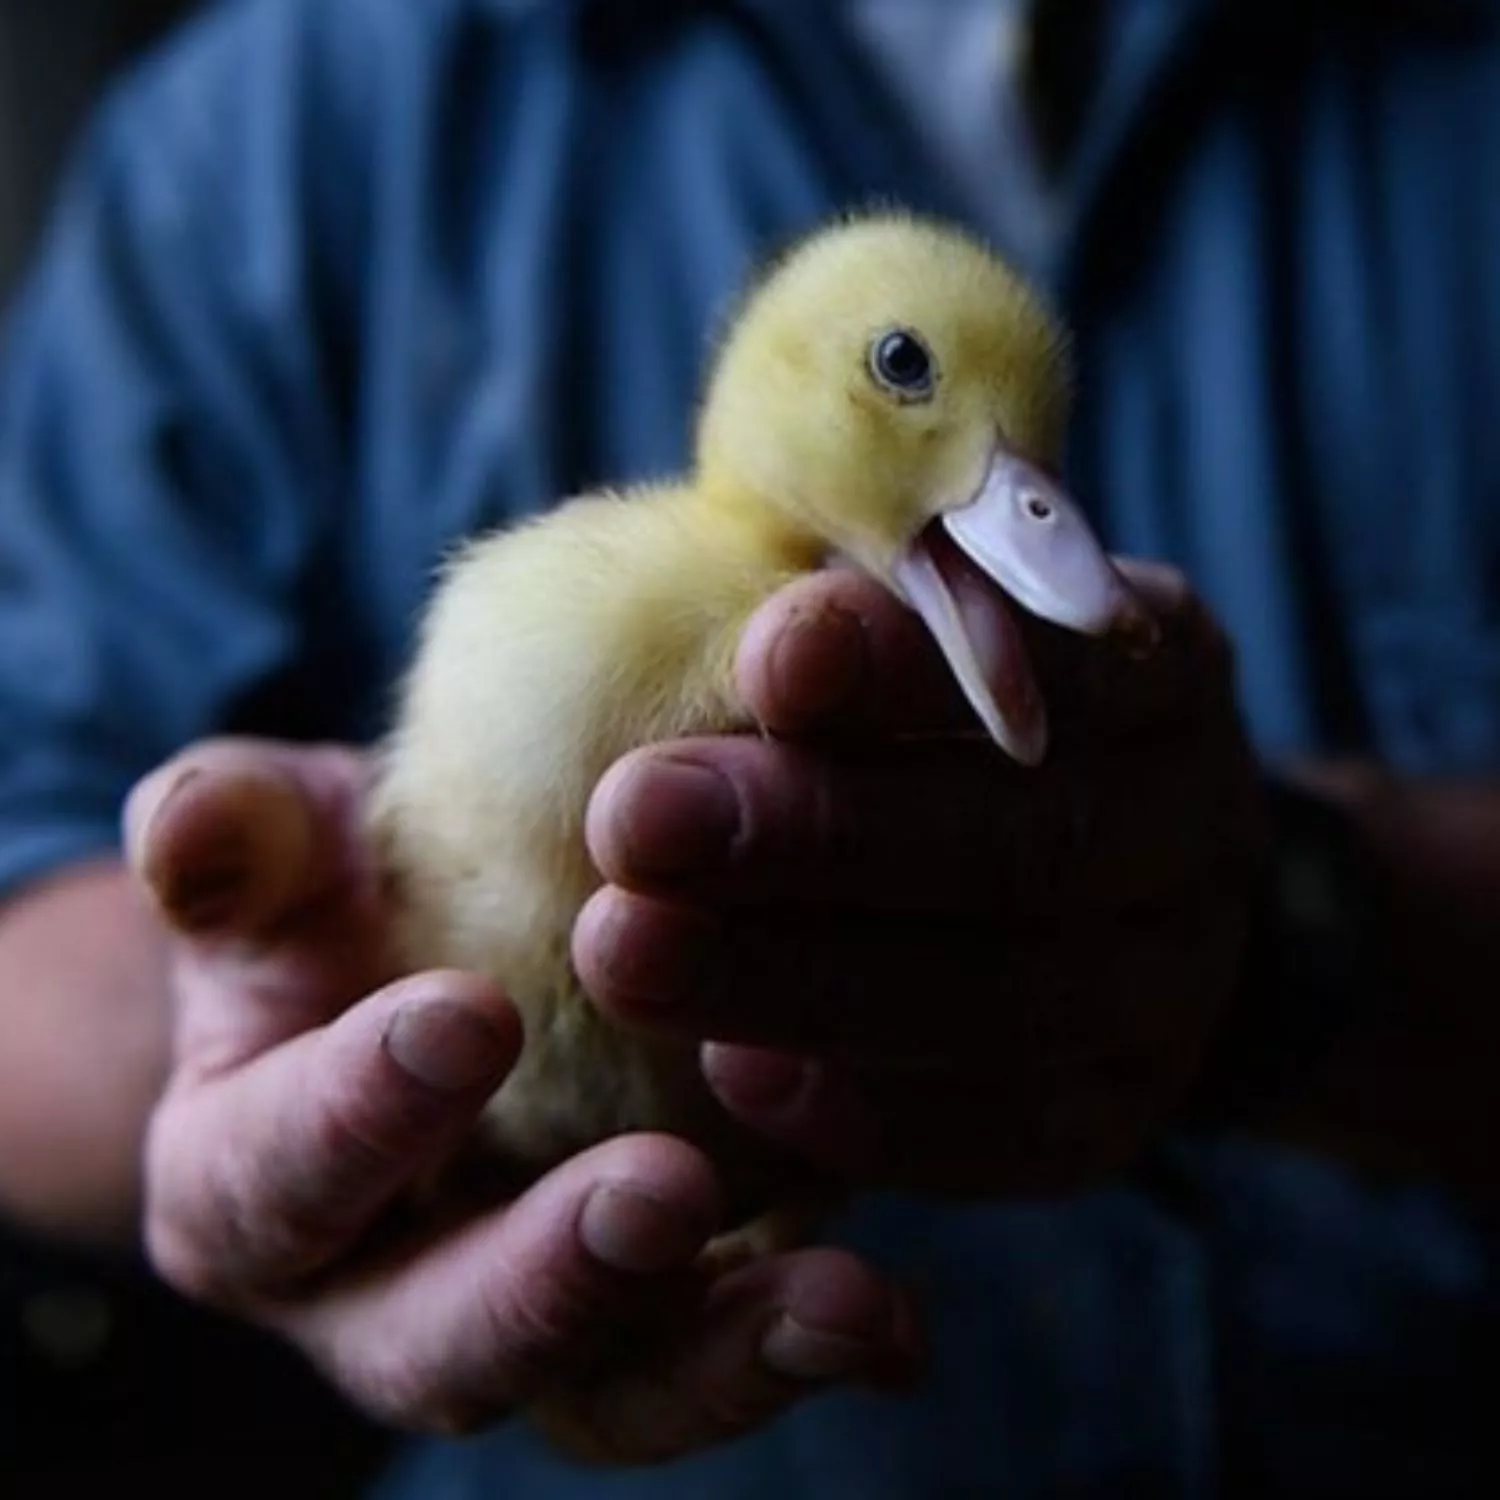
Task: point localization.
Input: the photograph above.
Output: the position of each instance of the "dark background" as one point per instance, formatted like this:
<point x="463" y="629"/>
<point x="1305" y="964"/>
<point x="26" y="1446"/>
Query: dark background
<point x="106" y="1380"/>
<point x="55" y="56"/>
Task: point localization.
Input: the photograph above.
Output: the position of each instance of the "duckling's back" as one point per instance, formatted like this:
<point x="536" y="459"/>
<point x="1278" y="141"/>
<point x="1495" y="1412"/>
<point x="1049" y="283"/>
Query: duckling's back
<point x="547" y="653"/>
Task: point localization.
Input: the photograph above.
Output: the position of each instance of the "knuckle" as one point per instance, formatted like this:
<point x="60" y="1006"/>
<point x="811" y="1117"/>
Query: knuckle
<point x="399" y="1391"/>
<point x="721" y="1409"/>
<point x="590" y="1428"/>
<point x="661" y="1412"/>
<point x="808" y="807"/>
<point x="245" y="1197"/>
<point x="546" y="1326"/>
<point x="182" y="1261"/>
<point x="192" y="1227"/>
<point x="403" y="1383"/>
<point x="800" y="804"/>
<point x="250" y="1229"/>
<point x="353" y="1143"/>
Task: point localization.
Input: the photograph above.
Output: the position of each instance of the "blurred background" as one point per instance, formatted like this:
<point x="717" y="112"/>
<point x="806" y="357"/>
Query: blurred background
<point x="55" y="55"/>
<point x="105" y="1380"/>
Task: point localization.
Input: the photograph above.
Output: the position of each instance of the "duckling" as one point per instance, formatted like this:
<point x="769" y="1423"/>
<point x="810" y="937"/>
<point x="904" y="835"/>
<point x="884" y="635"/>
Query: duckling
<point x="887" y="377"/>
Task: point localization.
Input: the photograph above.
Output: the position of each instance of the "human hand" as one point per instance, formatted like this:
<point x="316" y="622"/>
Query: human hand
<point x="911" y="960"/>
<point x="1403" y="1087"/>
<point x="313" y="1087"/>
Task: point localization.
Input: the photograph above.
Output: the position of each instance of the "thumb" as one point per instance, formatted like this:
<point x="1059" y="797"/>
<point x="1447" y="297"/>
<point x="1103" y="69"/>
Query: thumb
<point x="233" y="836"/>
<point x="256" y="857"/>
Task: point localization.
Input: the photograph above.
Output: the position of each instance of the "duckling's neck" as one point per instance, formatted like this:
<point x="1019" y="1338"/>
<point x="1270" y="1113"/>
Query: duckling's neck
<point x="761" y="526"/>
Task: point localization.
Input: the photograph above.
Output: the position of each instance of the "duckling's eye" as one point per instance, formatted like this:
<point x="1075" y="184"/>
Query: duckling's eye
<point x="904" y="365"/>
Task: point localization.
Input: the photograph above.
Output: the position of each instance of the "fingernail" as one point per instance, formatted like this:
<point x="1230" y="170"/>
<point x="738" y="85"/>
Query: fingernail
<point x="819" y="661"/>
<point x="202" y="895"/>
<point x="631" y="1231"/>
<point x="183" y="779"/>
<point x="447" y="1047"/>
<point x="225" y="849"/>
<point x="797" y="1352"/>
<point x="755" y="1080"/>
<point x="206" y="893"/>
<point x="684" y="817"/>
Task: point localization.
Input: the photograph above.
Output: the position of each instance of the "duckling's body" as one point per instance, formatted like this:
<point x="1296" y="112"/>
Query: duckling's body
<point x="515" y="709"/>
<point x="890" y="374"/>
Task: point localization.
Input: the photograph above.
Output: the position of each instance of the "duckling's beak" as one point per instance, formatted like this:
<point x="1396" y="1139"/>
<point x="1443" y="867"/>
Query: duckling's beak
<point x="1031" y="538"/>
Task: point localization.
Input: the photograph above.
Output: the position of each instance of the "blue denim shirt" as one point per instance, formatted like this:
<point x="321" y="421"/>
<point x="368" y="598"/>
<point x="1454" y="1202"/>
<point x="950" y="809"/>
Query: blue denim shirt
<point x="335" y="281"/>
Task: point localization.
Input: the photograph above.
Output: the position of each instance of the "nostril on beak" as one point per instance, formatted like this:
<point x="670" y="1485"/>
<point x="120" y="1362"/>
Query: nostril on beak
<point x="1038" y="509"/>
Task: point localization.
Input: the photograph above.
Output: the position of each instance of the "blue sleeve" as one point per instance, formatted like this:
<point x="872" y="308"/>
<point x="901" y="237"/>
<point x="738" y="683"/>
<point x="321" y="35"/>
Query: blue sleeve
<point x="171" y="456"/>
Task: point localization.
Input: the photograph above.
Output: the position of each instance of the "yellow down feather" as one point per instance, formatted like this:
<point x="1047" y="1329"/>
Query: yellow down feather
<point x="553" y="648"/>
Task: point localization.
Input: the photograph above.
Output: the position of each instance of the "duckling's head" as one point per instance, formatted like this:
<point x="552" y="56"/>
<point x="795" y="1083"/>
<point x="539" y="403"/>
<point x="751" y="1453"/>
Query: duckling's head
<point x="890" y="379"/>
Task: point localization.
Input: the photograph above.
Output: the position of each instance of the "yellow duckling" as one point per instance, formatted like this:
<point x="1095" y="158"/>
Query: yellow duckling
<point x="887" y="375"/>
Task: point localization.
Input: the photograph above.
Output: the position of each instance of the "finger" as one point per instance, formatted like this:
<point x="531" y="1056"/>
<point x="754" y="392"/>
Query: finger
<point x="256" y="856"/>
<point x="270" y="1172"/>
<point x="235" y="835"/>
<point x="836" y="652"/>
<point x="803" y="1104"/>
<point x="986" y="1119"/>
<point x="771" y="1335"/>
<point x="973" y="1123"/>
<point x="864" y="987"/>
<point x="1101" y="692"/>
<point x="559" y="1284"/>
<point x="947" y="828"/>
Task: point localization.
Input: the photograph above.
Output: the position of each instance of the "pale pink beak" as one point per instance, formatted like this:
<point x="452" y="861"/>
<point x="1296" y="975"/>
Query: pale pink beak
<point x="1029" y="537"/>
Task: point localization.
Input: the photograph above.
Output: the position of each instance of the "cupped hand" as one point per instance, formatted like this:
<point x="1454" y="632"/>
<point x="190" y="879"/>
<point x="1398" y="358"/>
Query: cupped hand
<point x="910" y="959"/>
<point x="313" y="1088"/>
